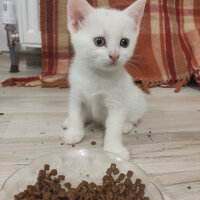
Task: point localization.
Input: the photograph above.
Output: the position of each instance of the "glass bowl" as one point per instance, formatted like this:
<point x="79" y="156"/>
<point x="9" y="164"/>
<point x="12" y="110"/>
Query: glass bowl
<point x="76" y="165"/>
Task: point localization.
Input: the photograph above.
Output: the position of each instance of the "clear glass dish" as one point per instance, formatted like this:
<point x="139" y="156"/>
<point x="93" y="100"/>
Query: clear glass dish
<point x="76" y="165"/>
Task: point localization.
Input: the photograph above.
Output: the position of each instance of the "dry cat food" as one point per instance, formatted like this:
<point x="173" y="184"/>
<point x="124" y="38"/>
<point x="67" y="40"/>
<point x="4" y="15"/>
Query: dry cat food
<point x="115" y="186"/>
<point x="93" y="143"/>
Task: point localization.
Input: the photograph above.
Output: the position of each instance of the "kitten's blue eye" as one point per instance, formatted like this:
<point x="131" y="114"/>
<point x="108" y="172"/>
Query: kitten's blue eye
<point x="124" y="42"/>
<point x="99" y="41"/>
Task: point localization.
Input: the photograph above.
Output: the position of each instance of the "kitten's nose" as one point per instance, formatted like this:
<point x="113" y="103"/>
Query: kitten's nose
<point x="114" y="57"/>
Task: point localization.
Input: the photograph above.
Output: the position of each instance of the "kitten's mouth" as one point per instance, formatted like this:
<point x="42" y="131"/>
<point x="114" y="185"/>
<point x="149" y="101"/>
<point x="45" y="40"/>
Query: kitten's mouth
<point x="113" y="63"/>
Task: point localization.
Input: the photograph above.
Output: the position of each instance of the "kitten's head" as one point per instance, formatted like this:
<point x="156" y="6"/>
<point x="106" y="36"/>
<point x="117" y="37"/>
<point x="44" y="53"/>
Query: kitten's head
<point x="104" y="38"/>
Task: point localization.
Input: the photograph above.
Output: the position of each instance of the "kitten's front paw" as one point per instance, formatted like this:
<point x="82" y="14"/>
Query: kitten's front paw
<point x="73" y="137"/>
<point x="121" y="151"/>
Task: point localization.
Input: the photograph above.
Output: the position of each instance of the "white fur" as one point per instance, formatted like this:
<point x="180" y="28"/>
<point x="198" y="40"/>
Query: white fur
<point x="102" y="92"/>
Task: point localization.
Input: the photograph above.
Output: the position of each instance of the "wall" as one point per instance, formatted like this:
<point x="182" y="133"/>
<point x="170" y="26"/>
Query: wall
<point x="3" y="39"/>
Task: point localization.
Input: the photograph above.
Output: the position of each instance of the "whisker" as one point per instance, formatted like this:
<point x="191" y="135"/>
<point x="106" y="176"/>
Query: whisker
<point x="133" y="66"/>
<point x="137" y="62"/>
<point x="136" y="56"/>
<point x="133" y="63"/>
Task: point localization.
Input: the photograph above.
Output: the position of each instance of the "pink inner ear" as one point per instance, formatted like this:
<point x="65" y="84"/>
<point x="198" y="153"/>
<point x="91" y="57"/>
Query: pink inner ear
<point x="78" y="10"/>
<point x="77" y="18"/>
<point x="137" y="18"/>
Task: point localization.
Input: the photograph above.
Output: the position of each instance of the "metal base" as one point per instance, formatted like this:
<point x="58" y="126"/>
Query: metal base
<point x="14" y="68"/>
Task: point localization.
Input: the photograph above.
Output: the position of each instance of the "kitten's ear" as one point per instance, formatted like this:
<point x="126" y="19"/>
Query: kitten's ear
<point x="136" y="11"/>
<point x="77" y="10"/>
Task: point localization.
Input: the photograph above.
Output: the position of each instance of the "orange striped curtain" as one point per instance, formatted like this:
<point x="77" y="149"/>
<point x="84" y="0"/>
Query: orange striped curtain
<point x="167" y="52"/>
<point x="168" y="47"/>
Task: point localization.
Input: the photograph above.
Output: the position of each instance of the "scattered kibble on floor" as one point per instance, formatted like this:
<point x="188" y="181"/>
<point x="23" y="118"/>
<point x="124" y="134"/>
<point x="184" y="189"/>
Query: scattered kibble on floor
<point x="93" y="143"/>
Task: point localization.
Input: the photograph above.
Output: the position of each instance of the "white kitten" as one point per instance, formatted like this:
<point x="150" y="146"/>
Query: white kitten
<point x="101" y="89"/>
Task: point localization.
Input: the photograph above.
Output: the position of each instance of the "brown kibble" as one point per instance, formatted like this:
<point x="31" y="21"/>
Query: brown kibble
<point x="73" y="145"/>
<point x="142" y="187"/>
<point x="128" y="182"/>
<point x="53" y="172"/>
<point x="68" y="185"/>
<point x="83" y="184"/>
<point x="42" y="174"/>
<point x="62" y="143"/>
<point x="36" y="194"/>
<point x="189" y="188"/>
<point x="46" y="167"/>
<point x="121" y="176"/>
<point x="116" y="171"/>
<point x="115" y="188"/>
<point x="93" y="143"/>
<point x="61" y="177"/>
<point x="70" y="195"/>
<point x="113" y="166"/>
<point x="118" y="180"/>
<point x="106" y="178"/>
<point x="109" y="171"/>
<point x="56" y="180"/>
<point x="121" y="187"/>
<point x="49" y="186"/>
<point x="111" y="180"/>
<point x="129" y="174"/>
<point x="1" y="113"/>
<point x="109" y="195"/>
<point x="21" y="195"/>
<point x="133" y="186"/>
<point x="30" y="188"/>
<point x="47" y="195"/>
<point x="61" y="194"/>
<point x="92" y="184"/>
<point x="125" y="192"/>
<point x="99" y="188"/>
<point x="141" y="193"/>
<point x="138" y="181"/>
<point x="132" y="193"/>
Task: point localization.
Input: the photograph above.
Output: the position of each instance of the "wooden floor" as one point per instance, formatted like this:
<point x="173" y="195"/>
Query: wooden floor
<point x="171" y="155"/>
